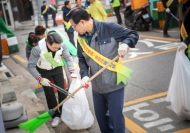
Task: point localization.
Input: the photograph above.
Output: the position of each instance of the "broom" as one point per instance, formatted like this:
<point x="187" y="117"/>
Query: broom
<point x="35" y="123"/>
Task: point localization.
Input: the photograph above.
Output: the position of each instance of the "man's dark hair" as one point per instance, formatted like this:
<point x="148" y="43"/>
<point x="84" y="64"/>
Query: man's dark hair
<point x="39" y="30"/>
<point x="44" y="2"/>
<point x="76" y="0"/>
<point x="77" y="14"/>
<point x="54" y="37"/>
<point x="66" y="2"/>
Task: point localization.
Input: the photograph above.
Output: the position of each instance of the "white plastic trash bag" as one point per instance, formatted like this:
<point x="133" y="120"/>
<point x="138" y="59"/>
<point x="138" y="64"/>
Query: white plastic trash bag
<point x="179" y="88"/>
<point x="75" y="112"/>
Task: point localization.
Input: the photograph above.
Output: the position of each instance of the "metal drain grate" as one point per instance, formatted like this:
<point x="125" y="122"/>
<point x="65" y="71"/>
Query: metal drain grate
<point x="8" y="74"/>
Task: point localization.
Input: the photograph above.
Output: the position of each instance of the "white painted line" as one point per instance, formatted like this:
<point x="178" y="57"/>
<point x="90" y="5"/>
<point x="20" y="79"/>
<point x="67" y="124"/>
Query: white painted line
<point x="167" y="45"/>
<point x="134" y="49"/>
<point x="168" y="48"/>
<point x="169" y="107"/>
<point x="159" y="100"/>
<point x="166" y="127"/>
<point x="157" y="122"/>
<point x="135" y="107"/>
<point x="159" y="41"/>
<point x="135" y="54"/>
<point x="149" y="44"/>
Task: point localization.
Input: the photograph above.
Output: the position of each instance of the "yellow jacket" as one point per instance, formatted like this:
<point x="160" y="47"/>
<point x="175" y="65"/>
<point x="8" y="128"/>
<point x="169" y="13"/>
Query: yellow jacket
<point x="97" y="11"/>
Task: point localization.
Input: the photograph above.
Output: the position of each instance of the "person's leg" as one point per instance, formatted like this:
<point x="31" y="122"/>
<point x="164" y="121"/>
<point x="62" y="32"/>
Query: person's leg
<point x="115" y="105"/>
<point x="71" y="37"/>
<point x="117" y="13"/>
<point x="166" y="25"/>
<point x="58" y="80"/>
<point x="54" y="22"/>
<point x="100" y="109"/>
<point x="46" y="20"/>
<point x="51" y="99"/>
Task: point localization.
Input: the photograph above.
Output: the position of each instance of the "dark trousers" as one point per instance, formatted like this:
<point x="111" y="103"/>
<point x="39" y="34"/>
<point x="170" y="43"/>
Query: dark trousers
<point x="167" y="22"/>
<point x="71" y="37"/>
<point x="46" y="20"/>
<point x="54" y="22"/>
<point x="57" y="76"/>
<point x="117" y="13"/>
<point x="112" y="102"/>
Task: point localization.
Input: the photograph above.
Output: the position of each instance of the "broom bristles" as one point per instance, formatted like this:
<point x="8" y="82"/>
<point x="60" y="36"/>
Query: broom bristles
<point x="35" y="123"/>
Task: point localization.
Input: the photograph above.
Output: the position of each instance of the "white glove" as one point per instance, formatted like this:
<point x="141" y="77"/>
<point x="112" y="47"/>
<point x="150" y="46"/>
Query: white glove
<point x="167" y="10"/>
<point x="84" y="81"/>
<point x="123" y="49"/>
<point x="45" y="82"/>
<point x="182" y="46"/>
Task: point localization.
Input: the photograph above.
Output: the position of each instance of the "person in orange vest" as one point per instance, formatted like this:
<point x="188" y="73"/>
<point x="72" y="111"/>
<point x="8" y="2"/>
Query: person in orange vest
<point x="45" y="12"/>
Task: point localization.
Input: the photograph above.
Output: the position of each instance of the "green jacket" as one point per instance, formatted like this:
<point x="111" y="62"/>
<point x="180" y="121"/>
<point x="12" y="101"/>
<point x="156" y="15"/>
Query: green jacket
<point x="96" y="10"/>
<point x="115" y="3"/>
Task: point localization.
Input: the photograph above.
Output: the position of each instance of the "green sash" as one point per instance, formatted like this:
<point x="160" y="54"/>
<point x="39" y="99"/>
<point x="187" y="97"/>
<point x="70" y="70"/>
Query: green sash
<point x="52" y="61"/>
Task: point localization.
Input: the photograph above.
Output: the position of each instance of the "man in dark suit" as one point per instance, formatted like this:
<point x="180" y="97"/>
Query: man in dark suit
<point x="45" y="12"/>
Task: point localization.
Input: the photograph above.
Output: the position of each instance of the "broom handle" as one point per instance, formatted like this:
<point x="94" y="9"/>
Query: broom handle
<point x="91" y="78"/>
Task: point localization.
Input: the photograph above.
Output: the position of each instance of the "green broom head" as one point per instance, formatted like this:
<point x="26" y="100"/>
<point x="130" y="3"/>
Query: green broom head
<point x="35" y="123"/>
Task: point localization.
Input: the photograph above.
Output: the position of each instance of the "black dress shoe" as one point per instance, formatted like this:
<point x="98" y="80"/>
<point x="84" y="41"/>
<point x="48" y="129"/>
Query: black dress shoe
<point x="167" y="35"/>
<point x="47" y="27"/>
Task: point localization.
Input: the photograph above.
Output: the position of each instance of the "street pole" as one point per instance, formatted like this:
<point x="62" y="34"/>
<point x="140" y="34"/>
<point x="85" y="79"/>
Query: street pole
<point x="0" y="47"/>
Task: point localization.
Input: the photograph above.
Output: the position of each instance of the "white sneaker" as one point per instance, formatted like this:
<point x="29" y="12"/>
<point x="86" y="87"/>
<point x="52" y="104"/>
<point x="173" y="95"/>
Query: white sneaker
<point x="55" y="122"/>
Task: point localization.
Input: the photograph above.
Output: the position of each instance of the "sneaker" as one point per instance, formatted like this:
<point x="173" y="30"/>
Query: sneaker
<point x="55" y="122"/>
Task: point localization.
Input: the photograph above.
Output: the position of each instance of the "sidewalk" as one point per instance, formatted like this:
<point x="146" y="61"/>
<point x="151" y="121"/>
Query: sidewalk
<point x="23" y="84"/>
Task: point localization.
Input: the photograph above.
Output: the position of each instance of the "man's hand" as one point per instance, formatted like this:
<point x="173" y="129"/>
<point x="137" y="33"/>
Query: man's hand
<point x="123" y="49"/>
<point x="45" y="82"/>
<point x="84" y="82"/>
<point x="182" y="46"/>
<point x="167" y="10"/>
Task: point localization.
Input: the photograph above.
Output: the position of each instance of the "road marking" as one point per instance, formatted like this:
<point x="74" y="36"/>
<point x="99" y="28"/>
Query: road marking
<point x="168" y="46"/>
<point x="157" y="122"/>
<point x="134" y="49"/>
<point x="135" y="54"/>
<point x="145" y="98"/>
<point x="166" y="127"/>
<point x="134" y="128"/>
<point x="159" y="100"/>
<point x="158" y="41"/>
<point x="169" y="107"/>
<point x="149" y="44"/>
<point x="159" y="38"/>
<point x="150" y="55"/>
<point x="183" y="131"/>
<point x="19" y="58"/>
